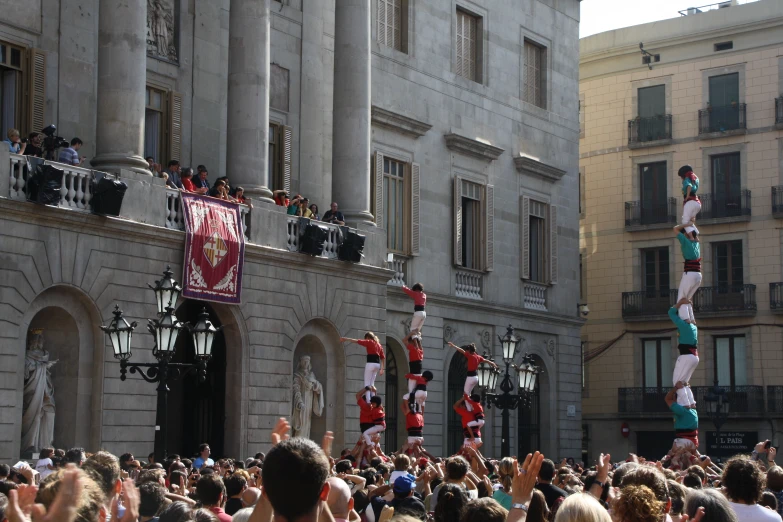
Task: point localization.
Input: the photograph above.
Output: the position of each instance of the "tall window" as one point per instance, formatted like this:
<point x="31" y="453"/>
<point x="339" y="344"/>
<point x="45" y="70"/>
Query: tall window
<point x="467" y="45"/>
<point x="396" y="194"/>
<point x="728" y="265"/>
<point x="273" y="159"/>
<point x="279" y="160"/>
<point x="11" y="63"/>
<point x="655" y="279"/>
<point x="652" y="108"/>
<point x="657" y="363"/>
<point x="727" y="183"/>
<point x="730" y="360"/>
<point x="156" y="126"/>
<point x="653" y="183"/>
<point x="537" y="219"/>
<point x="535" y="74"/>
<point x="471" y="225"/>
<point x="392" y="23"/>
<point x="723" y="101"/>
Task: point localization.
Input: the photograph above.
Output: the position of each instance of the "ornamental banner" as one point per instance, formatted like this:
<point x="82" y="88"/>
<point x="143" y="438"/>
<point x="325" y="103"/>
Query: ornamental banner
<point x="214" y="249"/>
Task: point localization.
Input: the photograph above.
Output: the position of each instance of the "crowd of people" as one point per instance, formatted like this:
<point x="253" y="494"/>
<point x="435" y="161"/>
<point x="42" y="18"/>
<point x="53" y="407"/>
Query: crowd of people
<point x="297" y="480"/>
<point x="184" y="179"/>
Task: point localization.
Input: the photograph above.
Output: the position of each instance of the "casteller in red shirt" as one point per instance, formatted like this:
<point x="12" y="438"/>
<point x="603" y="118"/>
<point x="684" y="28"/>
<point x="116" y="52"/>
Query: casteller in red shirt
<point x="365" y="412"/>
<point x="419" y="298"/>
<point x="414" y="422"/>
<point x="474" y="360"/>
<point x="478" y="409"/>
<point x="414" y="352"/>
<point x="373" y="347"/>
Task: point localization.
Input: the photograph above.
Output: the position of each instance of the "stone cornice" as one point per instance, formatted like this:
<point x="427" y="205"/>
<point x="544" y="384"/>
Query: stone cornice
<point x="399" y="122"/>
<point x="472" y="147"/>
<point x="528" y="165"/>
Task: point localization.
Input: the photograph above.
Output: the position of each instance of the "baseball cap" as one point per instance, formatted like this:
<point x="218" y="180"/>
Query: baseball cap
<point x="412" y="507"/>
<point x="404" y="484"/>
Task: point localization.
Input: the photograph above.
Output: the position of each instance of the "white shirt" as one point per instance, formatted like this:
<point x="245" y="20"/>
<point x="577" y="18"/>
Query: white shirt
<point x="42" y="467"/>
<point x="754" y="513"/>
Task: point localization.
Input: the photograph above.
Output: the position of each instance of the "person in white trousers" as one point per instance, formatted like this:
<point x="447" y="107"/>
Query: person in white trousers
<point x="689" y="355"/>
<point x="372" y="417"/>
<point x="473" y="361"/>
<point x="416" y="292"/>
<point x="690" y="185"/>
<point x="691" y="275"/>
<point x="375" y="359"/>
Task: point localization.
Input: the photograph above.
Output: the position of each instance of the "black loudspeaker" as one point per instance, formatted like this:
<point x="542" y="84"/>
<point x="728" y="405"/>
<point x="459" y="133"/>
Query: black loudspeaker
<point x="44" y="185"/>
<point x="107" y="196"/>
<point x="312" y="241"/>
<point x="351" y="248"/>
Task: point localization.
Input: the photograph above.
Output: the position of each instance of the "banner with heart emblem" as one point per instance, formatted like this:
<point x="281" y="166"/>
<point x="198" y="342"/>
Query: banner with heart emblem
<point x="214" y="249"/>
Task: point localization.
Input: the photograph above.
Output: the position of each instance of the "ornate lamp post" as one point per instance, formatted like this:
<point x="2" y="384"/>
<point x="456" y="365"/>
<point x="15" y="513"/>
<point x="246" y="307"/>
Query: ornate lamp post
<point x="506" y="401"/>
<point x="718" y="404"/>
<point x="165" y="330"/>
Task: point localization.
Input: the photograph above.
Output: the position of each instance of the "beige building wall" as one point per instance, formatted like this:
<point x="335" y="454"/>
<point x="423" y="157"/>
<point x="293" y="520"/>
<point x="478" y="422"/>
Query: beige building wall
<point x="611" y="72"/>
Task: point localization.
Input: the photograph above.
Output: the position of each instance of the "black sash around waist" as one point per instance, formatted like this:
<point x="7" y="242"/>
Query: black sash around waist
<point x="373" y="358"/>
<point x="472" y="374"/>
<point x="415" y="432"/>
<point x="418" y="308"/>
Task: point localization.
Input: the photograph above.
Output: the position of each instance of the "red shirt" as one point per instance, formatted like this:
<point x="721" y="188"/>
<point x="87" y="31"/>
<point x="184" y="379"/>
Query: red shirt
<point x="188" y="185"/>
<point x="415" y="353"/>
<point x="477" y="407"/>
<point x="221" y="515"/>
<point x="474" y="360"/>
<point x="282" y="202"/>
<point x="378" y="416"/>
<point x="414" y="421"/>
<point x="419" y="298"/>
<point x="418" y="378"/>
<point x="467" y="416"/>
<point x="373" y="347"/>
<point x="365" y="412"/>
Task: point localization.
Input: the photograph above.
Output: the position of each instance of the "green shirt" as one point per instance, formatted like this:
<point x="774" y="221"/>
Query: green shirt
<point x="684" y="418"/>
<point x="689" y="333"/>
<point x="502" y="498"/>
<point x="690" y="249"/>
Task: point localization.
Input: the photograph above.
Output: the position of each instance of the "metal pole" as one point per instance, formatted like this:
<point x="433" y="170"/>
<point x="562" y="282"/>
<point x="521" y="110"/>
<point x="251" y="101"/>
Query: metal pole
<point x="505" y="450"/>
<point x="161" y="442"/>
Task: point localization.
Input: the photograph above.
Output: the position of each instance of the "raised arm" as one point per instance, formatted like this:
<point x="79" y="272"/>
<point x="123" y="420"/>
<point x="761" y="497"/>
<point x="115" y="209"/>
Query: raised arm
<point x="457" y="404"/>
<point x="674" y="316"/>
<point x="671" y="397"/>
<point x="679" y="228"/>
<point x="348" y="340"/>
<point x="460" y="350"/>
<point x="405" y="408"/>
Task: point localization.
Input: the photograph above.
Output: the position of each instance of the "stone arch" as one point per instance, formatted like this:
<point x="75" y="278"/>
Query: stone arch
<point x="548" y="421"/>
<point x="66" y="309"/>
<point x="320" y="338"/>
<point x="454" y="364"/>
<point x="396" y="350"/>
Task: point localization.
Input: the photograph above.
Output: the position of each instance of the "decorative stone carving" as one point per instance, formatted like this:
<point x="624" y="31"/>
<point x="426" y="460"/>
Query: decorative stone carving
<point x="534" y="167"/>
<point x="472" y="147"/>
<point x="399" y="122"/>
<point x="161" y="36"/>
<point x="308" y="398"/>
<point x="38" y="396"/>
<point x="486" y="339"/>
<point x="551" y="348"/>
<point x="448" y="333"/>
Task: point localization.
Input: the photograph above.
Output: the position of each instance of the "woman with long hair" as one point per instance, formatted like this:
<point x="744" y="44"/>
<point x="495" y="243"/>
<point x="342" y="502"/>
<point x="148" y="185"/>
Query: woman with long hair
<point x="506" y="476"/>
<point x="451" y="501"/>
<point x="638" y="504"/>
<point x="375" y="360"/>
<point x="582" y="507"/>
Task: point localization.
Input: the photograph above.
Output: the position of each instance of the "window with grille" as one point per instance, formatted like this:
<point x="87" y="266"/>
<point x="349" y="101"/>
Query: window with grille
<point x="537" y="218"/>
<point x="730" y="360"/>
<point x="467" y="45"/>
<point x="657" y="363"/>
<point x="396" y="204"/>
<point x="535" y="74"/>
<point x="392" y="24"/>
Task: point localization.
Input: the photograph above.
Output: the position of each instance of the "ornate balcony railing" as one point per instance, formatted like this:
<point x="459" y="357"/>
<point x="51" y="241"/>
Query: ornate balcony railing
<point x="779" y="111"/>
<point x="744" y="400"/>
<point x="777" y="201"/>
<point x="535" y="296"/>
<point x="468" y="285"/>
<point x="648" y="303"/>
<point x="776" y="297"/>
<point x="650" y="129"/>
<point x="398" y="266"/>
<point x="775" y="399"/>
<point x="642" y="213"/>
<point x="725" y="298"/>
<point x="641" y="400"/>
<point x="722" y="119"/>
<point x="75" y="185"/>
<point x="296" y="227"/>
<point x="721" y="206"/>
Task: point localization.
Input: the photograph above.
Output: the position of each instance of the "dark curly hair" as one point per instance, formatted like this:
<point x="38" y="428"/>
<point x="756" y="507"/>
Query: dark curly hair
<point x="451" y="501"/>
<point x="638" y="503"/>
<point x="743" y="480"/>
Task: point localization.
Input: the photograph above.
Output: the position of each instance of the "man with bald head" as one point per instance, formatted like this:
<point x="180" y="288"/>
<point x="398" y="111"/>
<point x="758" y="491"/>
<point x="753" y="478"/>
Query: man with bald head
<point x="250" y="497"/>
<point x="339" y="500"/>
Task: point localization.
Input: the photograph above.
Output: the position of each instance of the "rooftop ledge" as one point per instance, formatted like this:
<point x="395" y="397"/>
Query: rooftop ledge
<point x="533" y="166"/>
<point x="473" y="147"/>
<point x="399" y="122"/>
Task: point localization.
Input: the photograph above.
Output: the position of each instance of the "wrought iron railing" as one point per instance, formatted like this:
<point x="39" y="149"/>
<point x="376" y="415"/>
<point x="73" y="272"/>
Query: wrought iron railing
<point x="648" y="302"/>
<point x="775" y="399"/>
<point x="718" y="205"/>
<point x="642" y="400"/>
<point x="742" y="399"/>
<point x="725" y="298"/>
<point x="653" y="128"/>
<point x="777" y="200"/>
<point x="779" y="110"/>
<point x="640" y="213"/>
<point x="722" y="119"/>
<point x="776" y="297"/>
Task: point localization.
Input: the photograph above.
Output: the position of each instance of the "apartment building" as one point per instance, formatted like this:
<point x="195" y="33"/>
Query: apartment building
<point x="702" y="89"/>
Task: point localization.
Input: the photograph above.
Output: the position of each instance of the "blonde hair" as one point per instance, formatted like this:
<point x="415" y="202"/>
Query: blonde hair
<point x="370" y="335"/>
<point x="506" y="472"/>
<point x="12" y="133"/>
<point x="90" y="501"/>
<point x="582" y="507"/>
<point x="402" y="462"/>
<point x="638" y="504"/>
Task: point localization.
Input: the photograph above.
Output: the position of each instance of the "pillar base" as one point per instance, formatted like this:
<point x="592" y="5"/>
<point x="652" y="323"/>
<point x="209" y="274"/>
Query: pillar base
<point x="258" y="193"/>
<point x="356" y="217"/>
<point x="114" y="162"/>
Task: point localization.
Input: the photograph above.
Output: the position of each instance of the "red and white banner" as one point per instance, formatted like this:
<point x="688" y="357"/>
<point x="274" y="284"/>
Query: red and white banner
<point x="214" y="249"/>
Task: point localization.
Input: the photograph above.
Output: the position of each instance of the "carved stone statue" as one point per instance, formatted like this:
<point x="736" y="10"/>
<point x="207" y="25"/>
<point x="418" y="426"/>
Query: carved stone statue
<point x="308" y="398"/>
<point x="160" y="29"/>
<point x="38" y="396"/>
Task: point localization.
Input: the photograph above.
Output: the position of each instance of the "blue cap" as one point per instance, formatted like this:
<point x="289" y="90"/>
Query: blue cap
<point x="404" y="484"/>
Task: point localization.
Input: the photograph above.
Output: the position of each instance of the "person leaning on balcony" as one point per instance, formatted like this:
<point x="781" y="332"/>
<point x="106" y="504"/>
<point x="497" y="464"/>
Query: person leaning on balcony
<point x="334" y="216"/>
<point x="187" y="180"/>
<point x="304" y="209"/>
<point x="686" y="421"/>
<point x="293" y="205"/>
<point x="689" y="354"/>
<point x="70" y="155"/>
<point x="690" y="185"/>
<point x="691" y="275"/>
<point x="201" y="182"/>
<point x="34" y="145"/>
<point x="173" y="179"/>
<point x="14" y="142"/>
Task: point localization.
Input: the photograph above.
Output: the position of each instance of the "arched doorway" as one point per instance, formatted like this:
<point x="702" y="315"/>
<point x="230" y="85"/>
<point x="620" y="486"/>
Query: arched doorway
<point x="458" y="370"/>
<point x="529" y="419"/>
<point x="197" y="410"/>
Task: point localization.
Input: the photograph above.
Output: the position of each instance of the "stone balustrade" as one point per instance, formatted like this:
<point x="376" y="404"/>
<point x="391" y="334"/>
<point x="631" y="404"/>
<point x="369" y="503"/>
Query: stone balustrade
<point x="75" y="186"/>
<point x="176" y="220"/>
<point x="18" y="172"/>
<point x="535" y="296"/>
<point x="468" y="284"/>
<point x="296" y="226"/>
<point x="398" y="266"/>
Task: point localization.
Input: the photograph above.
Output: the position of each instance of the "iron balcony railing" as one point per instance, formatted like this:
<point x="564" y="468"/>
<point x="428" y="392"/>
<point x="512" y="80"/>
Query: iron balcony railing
<point x="719" y="205"/>
<point x="722" y="119"/>
<point x="725" y="298"/>
<point x="776" y="297"/>
<point x="648" y="302"/>
<point x="743" y="400"/>
<point x="777" y="201"/>
<point x="640" y="213"/>
<point x="779" y="110"/>
<point x="775" y="399"/>
<point x="652" y="128"/>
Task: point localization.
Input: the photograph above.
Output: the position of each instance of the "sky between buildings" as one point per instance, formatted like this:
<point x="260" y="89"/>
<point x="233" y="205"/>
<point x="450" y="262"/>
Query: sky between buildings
<point x="598" y="16"/>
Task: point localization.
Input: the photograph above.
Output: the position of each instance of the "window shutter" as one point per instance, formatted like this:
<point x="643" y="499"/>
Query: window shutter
<point x="490" y="218"/>
<point x="552" y="245"/>
<point x="37" y="82"/>
<point x="382" y="21"/>
<point x="379" y="189"/>
<point x="415" y="198"/>
<point x="524" y="215"/>
<point x="458" y="221"/>
<point x="287" y="147"/>
<point x="175" y="126"/>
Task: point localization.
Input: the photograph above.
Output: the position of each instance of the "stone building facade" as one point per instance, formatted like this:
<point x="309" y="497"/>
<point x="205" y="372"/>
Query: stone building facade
<point x="447" y="132"/>
<point x="709" y="98"/>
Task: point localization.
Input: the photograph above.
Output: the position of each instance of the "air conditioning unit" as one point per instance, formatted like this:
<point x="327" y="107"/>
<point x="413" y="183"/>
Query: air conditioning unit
<point x="693" y="10"/>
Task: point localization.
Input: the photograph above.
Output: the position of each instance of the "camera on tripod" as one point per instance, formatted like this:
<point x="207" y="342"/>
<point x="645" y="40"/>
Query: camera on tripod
<point x="52" y="142"/>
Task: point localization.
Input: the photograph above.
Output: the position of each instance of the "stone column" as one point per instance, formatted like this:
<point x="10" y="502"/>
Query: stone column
<point x="248" y="96"/>
<point x="122" y="78"/>
<point x="351" y="124"/>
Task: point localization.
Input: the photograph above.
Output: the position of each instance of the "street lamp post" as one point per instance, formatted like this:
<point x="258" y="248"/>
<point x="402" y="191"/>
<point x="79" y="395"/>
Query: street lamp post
<point x="718" y="404"/>
<point x="165" y="331"/>
<point x="507" y="401"/>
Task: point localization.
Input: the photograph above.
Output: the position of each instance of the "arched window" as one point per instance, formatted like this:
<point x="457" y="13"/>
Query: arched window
<point x="458" y="370"/>
<point x="391" y="402"/>
<point x="529" y="427"/>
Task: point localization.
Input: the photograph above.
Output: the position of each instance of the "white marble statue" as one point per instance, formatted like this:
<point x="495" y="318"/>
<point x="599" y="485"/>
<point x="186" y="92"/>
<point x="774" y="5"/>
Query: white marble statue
<point x="38" y="397"/>
<point x="160" y="29"/>
<point x="308" y="398"/>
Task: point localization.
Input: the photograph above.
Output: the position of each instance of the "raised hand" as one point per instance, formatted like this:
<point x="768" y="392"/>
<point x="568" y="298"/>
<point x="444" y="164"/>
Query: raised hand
<point x="132" y="499"/>
<point x="699" y="515"/>
<point x="525" y="479"/>
<point x="326" y="443"/>
<point x="280" y="433"/>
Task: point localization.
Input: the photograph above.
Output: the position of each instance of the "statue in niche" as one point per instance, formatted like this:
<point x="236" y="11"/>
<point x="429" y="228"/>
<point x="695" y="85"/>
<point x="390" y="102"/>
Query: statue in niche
<point x="308" y="398"/>
<point x="160" y="29"/>
<point x="38" y="396"/>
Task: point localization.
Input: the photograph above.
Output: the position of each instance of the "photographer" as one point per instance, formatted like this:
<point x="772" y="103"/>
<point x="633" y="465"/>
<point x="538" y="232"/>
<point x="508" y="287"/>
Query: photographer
<point x="70" y="155"/>
<point x="334" y="216"/>
<point x="14" y="143"/>
<point x="34" y="145"/>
